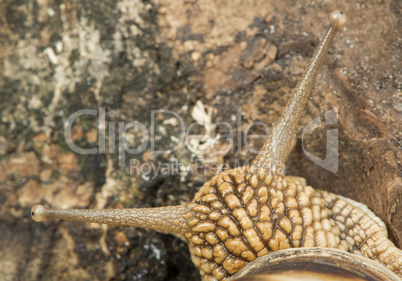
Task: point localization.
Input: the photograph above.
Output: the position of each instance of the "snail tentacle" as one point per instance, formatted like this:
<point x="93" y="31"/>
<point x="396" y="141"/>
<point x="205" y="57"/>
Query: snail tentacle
<point x="165" y="219"/>
<point x="279" y="143"/>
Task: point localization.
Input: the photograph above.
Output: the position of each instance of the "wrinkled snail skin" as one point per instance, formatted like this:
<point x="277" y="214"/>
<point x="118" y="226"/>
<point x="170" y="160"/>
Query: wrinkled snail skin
<point x="246" y="213"/>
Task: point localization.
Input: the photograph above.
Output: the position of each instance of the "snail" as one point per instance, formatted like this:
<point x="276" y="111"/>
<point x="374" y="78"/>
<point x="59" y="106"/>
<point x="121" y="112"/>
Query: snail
<point x="253" y="212"/>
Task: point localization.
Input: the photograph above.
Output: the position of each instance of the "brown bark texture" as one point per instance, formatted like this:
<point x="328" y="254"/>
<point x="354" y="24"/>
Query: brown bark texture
<point x="206" y="61"/>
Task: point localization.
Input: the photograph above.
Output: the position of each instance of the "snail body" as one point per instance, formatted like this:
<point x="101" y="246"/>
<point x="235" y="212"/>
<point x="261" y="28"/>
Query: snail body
<point x="247" y="213"/>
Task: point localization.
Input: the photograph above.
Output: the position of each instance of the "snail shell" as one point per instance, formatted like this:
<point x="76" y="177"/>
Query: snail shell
<point x="320" y="264"/>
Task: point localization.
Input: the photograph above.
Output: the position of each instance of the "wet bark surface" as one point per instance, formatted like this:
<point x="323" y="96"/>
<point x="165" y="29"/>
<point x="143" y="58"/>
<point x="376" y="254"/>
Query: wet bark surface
<point x="208" y="61"/>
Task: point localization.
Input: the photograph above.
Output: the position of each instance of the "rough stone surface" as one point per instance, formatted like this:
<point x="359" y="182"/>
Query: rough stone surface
<point x="203" y="60"/>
